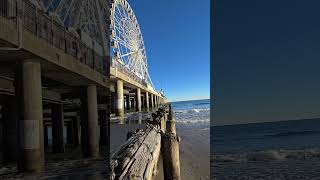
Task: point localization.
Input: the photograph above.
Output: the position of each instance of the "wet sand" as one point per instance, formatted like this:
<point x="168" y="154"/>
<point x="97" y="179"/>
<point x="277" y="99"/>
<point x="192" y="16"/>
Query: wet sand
<point x="119" y="127"/>
<point x="194" y="154"/>
<point x="194" y="145"/>
<point x="65" y="166"/>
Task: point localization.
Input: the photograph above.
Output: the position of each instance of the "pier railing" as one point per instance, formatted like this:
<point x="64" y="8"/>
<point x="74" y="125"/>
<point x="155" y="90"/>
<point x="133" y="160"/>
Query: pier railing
<point x="43" y="26"/>
<point x="122" y="68"/>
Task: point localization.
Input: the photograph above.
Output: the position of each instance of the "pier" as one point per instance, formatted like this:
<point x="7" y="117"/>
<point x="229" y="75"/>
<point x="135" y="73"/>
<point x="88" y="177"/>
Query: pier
<point x="60" y="83"/>
<point x="130" y="94"/>
<point x="50" y="77"/>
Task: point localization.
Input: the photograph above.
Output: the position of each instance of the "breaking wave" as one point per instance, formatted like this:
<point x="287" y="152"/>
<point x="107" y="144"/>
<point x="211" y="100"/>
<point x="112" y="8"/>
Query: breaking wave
<point x="293" y="133"/>
<point x="192" y="111"/>
<point x="206" y="103"/>
<point x="269" y="155"/>
<point x="192" y="121"/>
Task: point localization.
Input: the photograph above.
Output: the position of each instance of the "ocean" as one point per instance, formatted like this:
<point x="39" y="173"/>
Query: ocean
<point x="194" y="113"/>
<point x="273" y="150"/>
<point x="193" y="127"/>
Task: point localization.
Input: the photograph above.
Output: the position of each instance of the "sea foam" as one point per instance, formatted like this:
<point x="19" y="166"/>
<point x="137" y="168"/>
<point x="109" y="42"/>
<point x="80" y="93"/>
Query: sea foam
<point x="196" y="110"/>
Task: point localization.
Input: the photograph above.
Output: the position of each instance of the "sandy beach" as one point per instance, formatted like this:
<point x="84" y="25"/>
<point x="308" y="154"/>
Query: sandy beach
<point x="194" y="144"/>
<point x="194" y="154"/>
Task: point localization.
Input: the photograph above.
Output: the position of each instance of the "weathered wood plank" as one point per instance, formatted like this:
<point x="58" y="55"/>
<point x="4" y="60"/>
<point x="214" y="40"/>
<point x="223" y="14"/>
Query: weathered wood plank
<point x="138" y="157"/>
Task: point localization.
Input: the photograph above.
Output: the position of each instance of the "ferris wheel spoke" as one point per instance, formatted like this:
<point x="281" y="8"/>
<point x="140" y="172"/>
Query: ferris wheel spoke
<point x="123" y="43"/>
<point x="128" y="54"/>
<point x="119" y="12"/>
<point x="133" y="61"/>
<point x="119" y="27"/>
<point x="129" y="40"/>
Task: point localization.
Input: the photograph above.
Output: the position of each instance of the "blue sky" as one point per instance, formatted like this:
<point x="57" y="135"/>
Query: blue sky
<point x="177" y="40"/>
<point x="266" y="60"/>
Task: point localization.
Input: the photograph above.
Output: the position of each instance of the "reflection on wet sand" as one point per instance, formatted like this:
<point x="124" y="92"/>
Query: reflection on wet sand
<point x="69" y="169"/>
<point x="131" y="118"/>
<point x="68" y="165"/>
<point x="72" y="169"/>
<point x="71" y="166"/>
<point x="120" y="126"/>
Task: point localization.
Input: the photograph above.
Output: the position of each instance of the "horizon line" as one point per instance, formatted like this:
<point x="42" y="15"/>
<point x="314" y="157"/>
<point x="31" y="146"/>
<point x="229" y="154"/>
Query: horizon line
<point x="271" y="121"/>
<point x="191" y="100"/>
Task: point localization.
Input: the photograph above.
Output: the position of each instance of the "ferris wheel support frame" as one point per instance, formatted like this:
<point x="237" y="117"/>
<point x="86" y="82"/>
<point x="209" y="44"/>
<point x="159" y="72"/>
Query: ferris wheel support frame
<point x="127" y="41"/>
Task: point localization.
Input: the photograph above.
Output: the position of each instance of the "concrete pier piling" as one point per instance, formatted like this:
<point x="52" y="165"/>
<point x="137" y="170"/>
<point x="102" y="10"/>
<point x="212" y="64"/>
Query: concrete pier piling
<point x="70" y="133"/>
<point x="29" y="90"/>
<point x="114" y="102"/>
<point x="45" y="136"/>
<point x="138" y="99"/>
<point x="152" y="101"/>
<point x="93" y="130"/>
<point x="103" y="118"/>
<point x="147" y="101"/>
<point x="89" y="122"/>
<point x="76" y="130"/>
<point x="57" y="128"/>
<point x="119" y="101"/>
<point x="128" y="103"/>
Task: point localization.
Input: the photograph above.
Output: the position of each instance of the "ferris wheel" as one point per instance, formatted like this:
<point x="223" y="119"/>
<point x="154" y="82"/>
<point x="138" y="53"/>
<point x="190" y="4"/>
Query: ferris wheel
<point x="90" y="16"/>
<point x="127" y="45"/>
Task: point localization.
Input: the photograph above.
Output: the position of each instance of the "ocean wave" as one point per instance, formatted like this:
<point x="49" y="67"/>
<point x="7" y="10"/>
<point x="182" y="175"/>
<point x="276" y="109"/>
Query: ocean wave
<point x="192" y="121"/>
<point x="202" y="103"/>
<point x="292" y="133"/>
<point x="269" y="155"/>
<point x="192" y="111"/>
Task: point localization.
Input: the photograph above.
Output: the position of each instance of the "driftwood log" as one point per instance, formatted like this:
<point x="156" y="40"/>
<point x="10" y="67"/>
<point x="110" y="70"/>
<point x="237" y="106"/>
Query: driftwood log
<point x="138" y="157"/>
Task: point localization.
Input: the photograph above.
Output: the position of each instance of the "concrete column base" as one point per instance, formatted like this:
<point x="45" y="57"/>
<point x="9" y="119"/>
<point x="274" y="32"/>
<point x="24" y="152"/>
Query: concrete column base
<point x="119" y="102"/>
<point x="29" y="94"/>
<point x="89" y="127"/>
